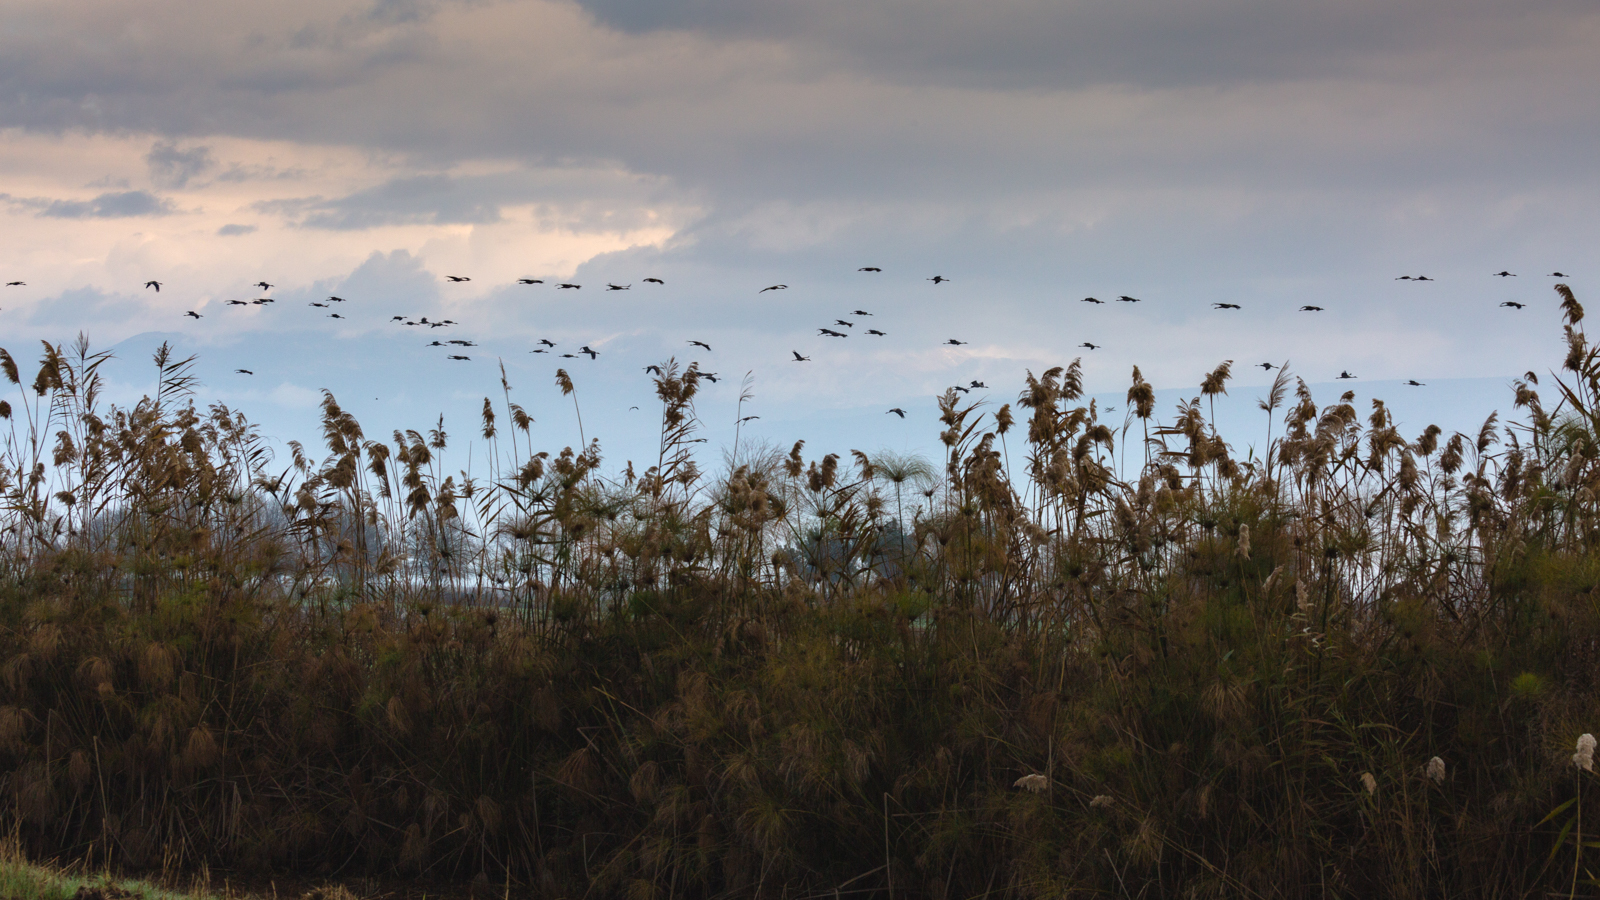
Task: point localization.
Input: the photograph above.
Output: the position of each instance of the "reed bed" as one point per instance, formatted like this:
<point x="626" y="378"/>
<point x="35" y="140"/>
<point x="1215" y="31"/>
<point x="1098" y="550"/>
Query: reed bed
<point x="1119" y="662"/>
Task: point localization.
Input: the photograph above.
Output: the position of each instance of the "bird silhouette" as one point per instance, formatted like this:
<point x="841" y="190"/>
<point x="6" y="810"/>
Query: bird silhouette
<point x="461" y="357"/>
<point x="1504" y="274"/>
<point x="709" y="376"/>
<point x="954" y="343"/>
<point x="1422" y="278"/>
<point x="153" y="284"/>
<point x="875" y="332"/>
<point x="335" y="316"/>
<point x="747" y="418"/>
<point x="593" y="354"/>
<point x="321" y="305"/>
<point x="938" y="279"/>
<point x="1311" y="309"/>
<point x="1092" y="300"/>
<point x="259" y="302"/>
<point x="1558" y="275"/>
<point x="963" y="390"/>
<point x="264" y="300"/>
<point x="859" y="312"/>
<point x="244" y="371"/>
<point x="458" y="278"/>
<point x="194" y="314"/>
<point x="652" y="370"/>
<point x="264" y="286"/>
<point x="436" y="343"/>
<point x="1126" y="299"/>
<point x="844" y="323"/>
<point x="1267" y="366"/>
<point x="701" y="344"/>
<point x="462" y="343"/>
<point x="654" y="281"/>
<point x="1415" y="383"/>
<point x="978" y="385"/>
<point x="1090" y="346"/>
<point x="799" y="358"/>
<point x="774" y="287"/>
<point x="569" y="356"/>
<point x="547" y="342"/>
<point x="1225" y="306"/>
<point x="1343" y="375"/>
<point x="617" y="287"/>
<point x="831" y="333"/>
<point x="237" y="303"/>
<point x="540" y="350"/>
<point x="567" y="286"/>
<point x="869" y="269"/>
<point x="1513" y="304"/>
<point x="336" y="299"/>
<point x="398" y="319"/>
<point x="530" y="281"/>
<point x="897" y="411"/>
<point x="16" y="284"/>
<point x="1403" y="278"/>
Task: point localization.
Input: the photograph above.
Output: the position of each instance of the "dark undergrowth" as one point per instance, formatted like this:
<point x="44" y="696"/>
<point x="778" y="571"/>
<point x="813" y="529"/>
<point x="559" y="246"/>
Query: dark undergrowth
<point x="1355" y="667"/>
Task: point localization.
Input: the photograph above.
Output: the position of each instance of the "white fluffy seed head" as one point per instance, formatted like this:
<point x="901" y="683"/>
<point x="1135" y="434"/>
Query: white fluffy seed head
<point x="1369" y="783"/>
<point x="1435" y="770"/>
<point x="1584" y="758"/>
<point x="1100" y="801"/>
<point x="1032" y="783"/>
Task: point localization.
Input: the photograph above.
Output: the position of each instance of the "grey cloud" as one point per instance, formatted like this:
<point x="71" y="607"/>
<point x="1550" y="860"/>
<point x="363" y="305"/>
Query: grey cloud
<point x="171" y="167"/>
<point x="423" y="199"/>
<point x="232" y="230"/>
<point x="115" y="205"/>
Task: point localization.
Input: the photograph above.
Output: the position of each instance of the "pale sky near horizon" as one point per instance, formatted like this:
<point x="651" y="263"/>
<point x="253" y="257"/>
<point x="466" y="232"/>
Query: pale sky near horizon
<point x="1187" y="153"/>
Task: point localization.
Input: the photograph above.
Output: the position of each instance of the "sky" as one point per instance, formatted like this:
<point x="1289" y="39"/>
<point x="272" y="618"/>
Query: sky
<point x="1034" y="153"/>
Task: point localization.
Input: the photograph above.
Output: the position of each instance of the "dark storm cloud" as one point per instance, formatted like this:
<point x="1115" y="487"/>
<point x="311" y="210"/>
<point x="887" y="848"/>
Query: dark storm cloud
<point x="113" y="205"/>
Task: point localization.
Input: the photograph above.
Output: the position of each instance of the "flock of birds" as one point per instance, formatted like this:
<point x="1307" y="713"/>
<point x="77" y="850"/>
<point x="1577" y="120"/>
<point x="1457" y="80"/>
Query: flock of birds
<point x="831" y="330"/>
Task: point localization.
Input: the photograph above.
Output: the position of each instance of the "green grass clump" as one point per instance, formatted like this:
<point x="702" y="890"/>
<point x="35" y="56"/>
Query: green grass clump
<point x="1356" y="666"/>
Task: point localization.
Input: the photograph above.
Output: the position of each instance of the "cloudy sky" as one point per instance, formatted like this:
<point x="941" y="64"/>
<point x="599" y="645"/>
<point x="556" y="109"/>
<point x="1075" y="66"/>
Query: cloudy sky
<point x="1262" y="153"/>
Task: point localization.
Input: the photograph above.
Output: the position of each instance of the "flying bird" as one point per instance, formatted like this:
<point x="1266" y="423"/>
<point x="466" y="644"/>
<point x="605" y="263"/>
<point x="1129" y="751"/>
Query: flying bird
<point x="799" y="358"/>
<point x="709" y="376"/>
<point x="1225" y="306"/>
<point x="1514" y="304"/>
<point x="1504" y="274"/>
<point x="320" y="305"/>
<point x="1126" y="299"/>
<point x="897" y="411"/>
<point x="244" y="371"/>
<point x="1311" y="309"/>
<point x="547" y="342"/>
<point x="462" y="343"/>
<point x="617" y="287"/>
<point x="540" y="350"/>
<point x="1092" y="300"/>
<point x="16" y="284"/>
<point x="335" y="316"/>
<point x="569" y="356"/>
<point x="1558" y="275"/>
<point x="860" y="312"/>
<point x="237" y="303"/>
<point x="436" y="343"/>
<point x="461" y="357"/>
<point x="1090" y="346"/>
<point x="1343" y="375"/>
<point x="264" y="300"/>
<point x="774" y="287"/>
<point x="955" y="343"/>
<point x="747" y="418"/>
<point x="336" y="299"/>
<point x="1267" y="366"/>
<point x="654" y="281"/>
<point x="978" y="385"/>
<point x="844" y="323"/>
<point x="193" y="313"/>
<point x="153" y="284"/>
<point x="398" y="319"/>
<point x="264" y="286"/>
<point x="702" y="344"/>
<point x="1415" y="383"/>
<point x="831" y="333"/>
<point x="938" y="279"/>
<point x="593" y="354"/>
<point x="1422" y="278"/>
<point x="869" y="269"/>
<point x="875" y="331"/>
<point x="530" y="281"/>
<point x="458" y="278"/>
<point x="567" y="286"/>
<point x="963" y="390"/>
<point x="652" y="370"/>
